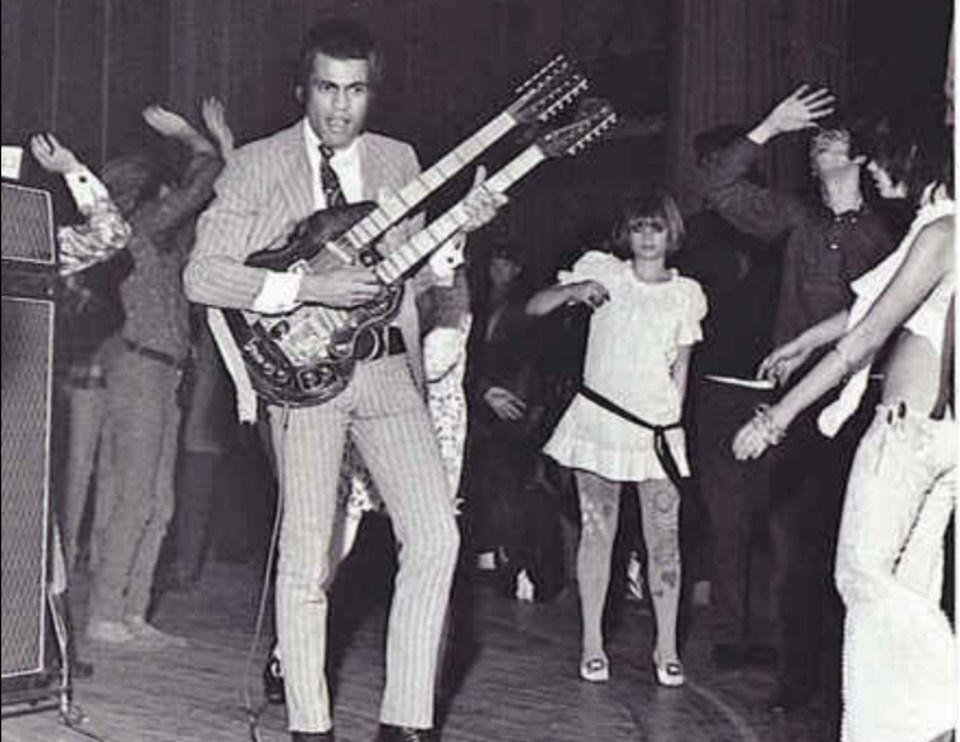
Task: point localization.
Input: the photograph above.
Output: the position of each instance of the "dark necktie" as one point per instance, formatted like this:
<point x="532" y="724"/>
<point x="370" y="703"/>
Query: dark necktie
<point x="329" y="180"/>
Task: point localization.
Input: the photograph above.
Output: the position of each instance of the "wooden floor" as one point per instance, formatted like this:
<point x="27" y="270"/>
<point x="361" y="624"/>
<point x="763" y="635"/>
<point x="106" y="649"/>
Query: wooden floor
<point x="518" y="680"/>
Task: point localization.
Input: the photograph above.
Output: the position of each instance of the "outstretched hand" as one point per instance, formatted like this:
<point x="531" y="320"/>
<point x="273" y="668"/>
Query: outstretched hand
<point x="800" y="110"/>
<point x="591" y="293"/>
<point x="765" y="429"/>
<point x="480" y="203"/>
<point x="215" y="119"/>
<point x="505" y="404"/>
<point x="782" y="362"/>
<point x="167" y="123"/>
<point x="749" y="442"/>
<point x="53" y="156"/>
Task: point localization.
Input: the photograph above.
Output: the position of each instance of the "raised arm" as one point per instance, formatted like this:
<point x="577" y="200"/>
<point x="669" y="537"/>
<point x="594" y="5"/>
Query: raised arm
<point x="105" y="231"/>
<point x="195" y="187"/>
<point x="750" y="207"/>
<point x="928" y="261"/>
<point x="214" y="117"/>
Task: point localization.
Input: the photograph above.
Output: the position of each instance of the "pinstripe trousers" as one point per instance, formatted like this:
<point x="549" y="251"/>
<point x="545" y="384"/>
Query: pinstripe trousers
<point x="385" y="415"/>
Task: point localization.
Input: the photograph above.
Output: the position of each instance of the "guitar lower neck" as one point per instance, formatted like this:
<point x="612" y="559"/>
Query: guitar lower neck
<point x="396" y="206"/>
<point x="404" y="258"/>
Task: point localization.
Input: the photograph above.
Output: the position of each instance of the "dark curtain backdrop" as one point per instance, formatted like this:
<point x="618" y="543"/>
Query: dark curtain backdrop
<point x="86" y="68"/>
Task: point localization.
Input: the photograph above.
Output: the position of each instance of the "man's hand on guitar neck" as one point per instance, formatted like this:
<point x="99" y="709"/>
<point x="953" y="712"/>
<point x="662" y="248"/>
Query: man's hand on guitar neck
<point x="481" y="204"/>
<point x="345" y="287"/>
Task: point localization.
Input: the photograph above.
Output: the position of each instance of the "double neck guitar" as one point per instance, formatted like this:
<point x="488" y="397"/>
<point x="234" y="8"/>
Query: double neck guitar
<point x="307" y="357"/>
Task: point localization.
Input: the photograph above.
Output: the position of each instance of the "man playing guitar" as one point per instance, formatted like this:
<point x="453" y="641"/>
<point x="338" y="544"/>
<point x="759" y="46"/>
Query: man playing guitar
<point x="267" y="185"/>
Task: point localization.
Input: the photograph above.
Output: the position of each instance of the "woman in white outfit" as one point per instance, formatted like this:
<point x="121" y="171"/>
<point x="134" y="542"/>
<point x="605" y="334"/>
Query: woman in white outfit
<point x="899" y="658"/>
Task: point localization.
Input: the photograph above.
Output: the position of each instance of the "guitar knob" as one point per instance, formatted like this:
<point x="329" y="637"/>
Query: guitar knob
<point x="279" y="330"/>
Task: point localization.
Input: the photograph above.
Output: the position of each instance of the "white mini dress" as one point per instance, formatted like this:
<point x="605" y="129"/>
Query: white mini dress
<point x="634" y="340"/>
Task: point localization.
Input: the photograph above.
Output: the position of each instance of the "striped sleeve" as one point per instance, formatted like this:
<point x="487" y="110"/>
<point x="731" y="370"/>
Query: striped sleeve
<point x="216" y="275"/>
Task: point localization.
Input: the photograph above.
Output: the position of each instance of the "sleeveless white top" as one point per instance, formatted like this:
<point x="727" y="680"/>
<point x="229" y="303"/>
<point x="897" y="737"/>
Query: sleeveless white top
<point x="928" y="319"/>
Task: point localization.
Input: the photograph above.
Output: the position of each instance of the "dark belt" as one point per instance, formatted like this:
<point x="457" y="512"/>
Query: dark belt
<point x="660" y="445"/>
<point x="388" y="342"/>
<point x="155" y="355"/>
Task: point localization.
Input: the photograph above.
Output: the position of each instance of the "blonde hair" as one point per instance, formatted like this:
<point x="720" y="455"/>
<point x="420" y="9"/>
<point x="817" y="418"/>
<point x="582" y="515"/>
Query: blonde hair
<point x="656" y="204"/>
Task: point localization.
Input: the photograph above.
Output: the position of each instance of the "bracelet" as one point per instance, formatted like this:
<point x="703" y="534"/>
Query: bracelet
<point x="772" y="433"/>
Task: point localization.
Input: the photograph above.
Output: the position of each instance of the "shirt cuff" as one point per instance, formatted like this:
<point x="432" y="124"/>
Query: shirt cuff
<point x="279" y="293"/>
<point x="85" y="187"/>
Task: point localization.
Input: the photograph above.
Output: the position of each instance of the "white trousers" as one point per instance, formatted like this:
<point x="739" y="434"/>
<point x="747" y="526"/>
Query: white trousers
<point x="899" y="655"/>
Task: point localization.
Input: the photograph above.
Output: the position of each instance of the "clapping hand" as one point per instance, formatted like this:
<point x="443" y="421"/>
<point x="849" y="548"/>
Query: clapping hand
<point x="214" y="117"/>
<point x="53" y="156"/>
<point x="167" y="123"/>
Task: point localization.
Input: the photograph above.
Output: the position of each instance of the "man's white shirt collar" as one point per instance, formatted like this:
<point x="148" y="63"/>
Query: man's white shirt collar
<point x="346" y="163"/>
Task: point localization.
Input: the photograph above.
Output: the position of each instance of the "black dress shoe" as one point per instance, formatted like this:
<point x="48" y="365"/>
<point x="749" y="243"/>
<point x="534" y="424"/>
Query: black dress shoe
<point x="391" y="733"/>
<point x="312" y="736"/>
<point x="789" y="698"/>
<point x="273" y="682"/>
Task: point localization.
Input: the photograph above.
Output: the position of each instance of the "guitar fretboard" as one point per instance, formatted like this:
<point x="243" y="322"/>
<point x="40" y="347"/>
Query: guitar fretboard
<point x="401" y="260"/>
<point x="396" y="206"/>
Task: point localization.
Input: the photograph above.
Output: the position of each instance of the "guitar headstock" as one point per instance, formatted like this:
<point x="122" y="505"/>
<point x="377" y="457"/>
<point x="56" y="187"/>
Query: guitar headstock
<point x="588" y="126"/>
<point x="549" y="90"/>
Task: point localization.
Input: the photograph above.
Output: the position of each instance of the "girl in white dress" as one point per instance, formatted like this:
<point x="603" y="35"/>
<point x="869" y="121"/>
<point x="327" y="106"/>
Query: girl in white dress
<point x="646" y="319"/>
<point x="900" y="653"/>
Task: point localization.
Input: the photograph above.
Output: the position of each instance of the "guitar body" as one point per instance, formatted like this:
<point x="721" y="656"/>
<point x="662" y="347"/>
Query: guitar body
<point x="311" y="236"/>
<point x="307" y="356"/>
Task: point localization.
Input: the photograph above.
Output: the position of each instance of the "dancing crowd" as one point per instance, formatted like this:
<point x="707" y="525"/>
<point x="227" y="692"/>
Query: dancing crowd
<point x="781" y="362"/>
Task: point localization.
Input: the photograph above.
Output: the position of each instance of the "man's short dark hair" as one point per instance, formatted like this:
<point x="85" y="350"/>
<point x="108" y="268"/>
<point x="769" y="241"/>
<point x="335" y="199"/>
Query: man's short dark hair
<point x="340" y="39"/>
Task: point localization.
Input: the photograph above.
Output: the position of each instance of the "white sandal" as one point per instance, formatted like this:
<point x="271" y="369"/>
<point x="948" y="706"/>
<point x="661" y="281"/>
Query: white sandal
<point x="595" y="669"/>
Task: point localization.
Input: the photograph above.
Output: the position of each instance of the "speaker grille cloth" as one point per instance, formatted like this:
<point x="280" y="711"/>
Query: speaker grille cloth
<point x="27" y="224"/>
<point x="26" y="374"/>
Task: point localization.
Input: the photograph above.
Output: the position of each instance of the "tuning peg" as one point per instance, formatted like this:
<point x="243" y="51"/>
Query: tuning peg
<point x="562" y="101"/>
<point x="547" y="69"/>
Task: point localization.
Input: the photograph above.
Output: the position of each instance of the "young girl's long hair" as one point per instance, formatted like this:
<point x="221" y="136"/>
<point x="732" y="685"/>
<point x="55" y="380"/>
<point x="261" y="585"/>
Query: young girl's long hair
<point x="655" y="203"/>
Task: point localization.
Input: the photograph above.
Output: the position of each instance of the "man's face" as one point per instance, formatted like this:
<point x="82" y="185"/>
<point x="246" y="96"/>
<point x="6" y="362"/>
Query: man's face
<point x="336" y="99"/>
<point x="830" y="154"/>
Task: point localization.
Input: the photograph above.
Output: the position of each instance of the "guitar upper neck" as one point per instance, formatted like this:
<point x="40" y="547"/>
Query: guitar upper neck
<point x="401" y="260"/>
<point x="396" y="206"/>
